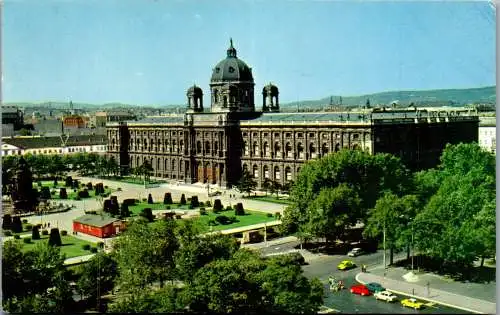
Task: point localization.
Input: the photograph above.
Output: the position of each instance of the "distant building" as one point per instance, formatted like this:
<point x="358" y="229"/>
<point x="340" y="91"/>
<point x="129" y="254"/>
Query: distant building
<point x="73" y="121"/>
<point x="12" y="115"/>
<point x="487" y="132"/>
<point x="53" y="145"/>
<point x="116" y="116"/>
<point x="97" y="225"/>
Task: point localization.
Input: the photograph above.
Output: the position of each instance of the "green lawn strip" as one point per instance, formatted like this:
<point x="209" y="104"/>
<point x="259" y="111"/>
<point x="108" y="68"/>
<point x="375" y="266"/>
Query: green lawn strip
<point x="72" y="194"/>
<point x="71" y="246"/>
<point x="270" y="199"/>
<point x="137" y="208"/>
<point x="250" y="218"/>
<point x="132" y="180"/>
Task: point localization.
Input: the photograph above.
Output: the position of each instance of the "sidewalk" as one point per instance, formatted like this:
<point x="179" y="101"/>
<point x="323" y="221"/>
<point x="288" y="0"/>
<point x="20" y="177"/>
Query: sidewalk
<point x="418" y="291"/>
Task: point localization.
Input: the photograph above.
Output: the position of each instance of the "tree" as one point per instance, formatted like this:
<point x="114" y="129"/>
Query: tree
<point x="167" y="199"/>
<point x="148" y="214"/>
<point x="183" y="200"/>
<point x="35" y="233"/>
<point x="150" y="199"/>
<point x="124" y="210"/>
<point x="62" y="193"/>
<point x="246" y="183"/>
<point x="7" y="222"/>
<point x="99" y="272"/>
<point x="17" y="225"/>
<point x="55" y="237"/>
<point x="164" y="300"/>
<point x="332" y="211"/>
<point x="217" y="205"/>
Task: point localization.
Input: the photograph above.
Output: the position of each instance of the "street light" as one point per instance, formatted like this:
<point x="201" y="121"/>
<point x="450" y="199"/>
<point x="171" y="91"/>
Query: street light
<point x="385" y="266"/>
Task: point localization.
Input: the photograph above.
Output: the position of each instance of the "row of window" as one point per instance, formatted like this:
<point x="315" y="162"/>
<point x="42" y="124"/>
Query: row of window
<point x="266" y="152"/>
<point x="267" y="171"/>
<point x="54" y="151"/>
<point x="300" y="135"/>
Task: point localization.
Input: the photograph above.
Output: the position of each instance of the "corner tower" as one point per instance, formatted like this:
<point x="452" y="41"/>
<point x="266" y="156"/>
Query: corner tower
<point x="232" y="85"/>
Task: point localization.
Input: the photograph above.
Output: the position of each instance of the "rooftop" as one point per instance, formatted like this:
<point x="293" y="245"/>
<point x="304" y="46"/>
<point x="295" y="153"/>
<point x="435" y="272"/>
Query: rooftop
<point x="95" y="220"/>
<point x="42" y="142"/>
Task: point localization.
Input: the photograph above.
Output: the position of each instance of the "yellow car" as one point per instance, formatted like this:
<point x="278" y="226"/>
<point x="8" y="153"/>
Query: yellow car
<point x="346" y="264"/>
<point x="412" y="303"/>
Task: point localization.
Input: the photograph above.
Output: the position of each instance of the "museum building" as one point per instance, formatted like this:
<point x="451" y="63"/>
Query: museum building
<point x="214" y="146"/>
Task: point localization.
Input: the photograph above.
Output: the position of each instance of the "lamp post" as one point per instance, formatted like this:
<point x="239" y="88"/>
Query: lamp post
<point x="385" y="266"/>
<point x="411" y="247"/>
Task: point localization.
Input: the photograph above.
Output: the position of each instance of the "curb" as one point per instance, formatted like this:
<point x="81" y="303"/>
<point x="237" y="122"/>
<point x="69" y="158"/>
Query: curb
<point x="425" y="299"/>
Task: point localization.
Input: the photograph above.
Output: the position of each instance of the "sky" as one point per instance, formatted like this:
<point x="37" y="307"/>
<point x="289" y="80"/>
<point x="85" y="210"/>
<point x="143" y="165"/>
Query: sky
<point x="148" y="52"/>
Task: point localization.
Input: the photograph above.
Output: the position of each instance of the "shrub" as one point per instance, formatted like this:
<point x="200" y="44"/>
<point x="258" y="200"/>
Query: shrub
<point x="39" y="183"/>
<point x="27" y="240"/>
<point x="45" y="193"/>
<point x="107" y="205"/>
<point x="178" y="216"/>
<point x="228" y="208"/>
<point x="269" y="215"/>
<point x="76" y="184"/>
<point x="277" y="215"/>
<point x="238" y="209"/>
<point x="167" y="207"/>
<point x="86" y="246"/>
<point x="124" y="210"/>
<point x="93" y="249"/>
<point x="89" y="186"/>
<point x="28" y="227"/>
<point x="52" y="192"/>
<point x="190" y="207"/>
<point x="55" y="182"/>
<point x="129" y="202"/>
<point x="25" y="221"/>
<point x="7" y="222"/>
<point x="55" y="237"/>
<point x="232" y="219"/>
<point x="194" y="201"/>
<point x="202" y="204"/>
<point x="78" y="197"/>
<point x="99" y="189"/>
<point x="16" y="236"/>
<point x="17" y="226"/>
<point x="68" y="182"/>
<point x="35" y="233"/>
<point x="217" y="205"/>
<point x="148" y="214"/>
<point x="167" y="199"/>
<point x="106" y="187"/>
<point x="7" y="233"/>
<point x="208" y="203"/>
<point x="183" y="200"/>
<point x="119" y="189"/>
<point x="150" y="199"/>
<point x="203" y="211"/>
<point x="83" y="193"/>
<point x="100" y="244"/>
<point x="222" y="219"/>
<point x="64" y="232"/>
<point x="144" y="199"/>
<point x="212" y="223"/>
<point x="45" y="232"/>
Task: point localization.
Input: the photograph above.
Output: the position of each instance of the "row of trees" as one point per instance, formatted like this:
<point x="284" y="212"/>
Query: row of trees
<point x="449" y="211"/>
<point x="247" y="184"/>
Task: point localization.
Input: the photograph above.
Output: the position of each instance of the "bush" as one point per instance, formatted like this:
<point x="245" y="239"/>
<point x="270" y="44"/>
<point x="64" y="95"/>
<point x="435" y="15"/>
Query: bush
<point x="150" y="199"/>
<point x="83" y="193"/>
<point x="124" y="210"/>
<point x="144" y="199"/>
<point x="64" y="232"/>
<point x="228" y="208"/>
<point x="7" y="233"/>
<point x="45" y="193"/>
<point x="17" y="226"/>
<point x="129" y="202"/>
<point x="217" y="205"/>
<point x="89" y="186"/>
<point x="39" y="183"/>
<point x="202" y="204"/>
<point x="25" y="221"/>
<point x="167" y="199"/>
<point x="55" y="182"/>
<point x="178" y="216"/>
<point x="76" y="183"/>
<point x="93" y="249"/>
<point x="148" y="214"/>
<point x="27" y="240"/>
<point x="16" y="236"/>
<point x="53" y="192"/>
<point x="194" y="201"/>
<point x="55" y="237"/>
<point x="100" y="244"/>
<point x="68" y="182"/>
<point x="119" y="189"/>
<point x="106" y="187"/>
<point x="167" y="207"/>
<point x="207" y="203"/>
<point x="99" y="189"/>
<point x="203" y="211"/>
<point x="45" y="232"/>
<point x="7" y="222"/>
<point x="35" y="233"/>
<point x="28" y="227"/>
<point x="190" y="207"/>
<point x="277" y="215"/>
<point x="78" y="198"/>
<point x="238" y="209"/>
<point x="183" y="200"/>
<point x="269" y="215"/>
<point x="86" y="246"/>
<point x="222" y="219"/>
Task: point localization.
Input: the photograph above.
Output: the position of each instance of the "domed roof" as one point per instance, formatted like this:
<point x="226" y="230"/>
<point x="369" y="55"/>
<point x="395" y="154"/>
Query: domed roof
<point x="195" y="90"/>
<point x="231" y="68"/>
<point x="270" y="88"/>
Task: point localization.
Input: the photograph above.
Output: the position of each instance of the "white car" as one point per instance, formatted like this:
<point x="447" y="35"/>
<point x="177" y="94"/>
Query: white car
<point x="355" y="252"/>
<point x="385" y="296"/>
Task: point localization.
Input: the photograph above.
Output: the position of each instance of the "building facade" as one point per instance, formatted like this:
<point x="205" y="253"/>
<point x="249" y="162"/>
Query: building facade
<point x="214" y="146"/>
<point x="487" y="134"/>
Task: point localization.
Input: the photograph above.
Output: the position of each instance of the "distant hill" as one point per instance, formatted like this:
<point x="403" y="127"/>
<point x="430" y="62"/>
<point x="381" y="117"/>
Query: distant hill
<point x="449" y="97"/>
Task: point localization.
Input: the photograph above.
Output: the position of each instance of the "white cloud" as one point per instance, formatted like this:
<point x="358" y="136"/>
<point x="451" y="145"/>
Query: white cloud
<point x="197" y="16"/>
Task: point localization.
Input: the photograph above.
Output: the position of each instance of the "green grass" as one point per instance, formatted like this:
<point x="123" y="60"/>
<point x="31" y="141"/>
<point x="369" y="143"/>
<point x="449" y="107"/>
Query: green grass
<point x="156" y="206"/>
<point x="270" y="198"/>
<point x="250" y="218"/>
<point x="71" y="246"/>
<point x="71" y="194"/>
<point x="132" y="180"/>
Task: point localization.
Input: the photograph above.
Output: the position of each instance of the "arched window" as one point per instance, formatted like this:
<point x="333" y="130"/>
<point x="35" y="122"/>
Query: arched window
<point x="158" y="165"/>
<point x="181" y="143"/>
<point x="312" y="150"/>
<point x="288" y="150"/>
<point x="174" y="146"/>
<point x="300" y="150"/>
<point x="216" y="147"/>
<point x="151" y="144"/>
<point x="225" y="101"/>
<point x="113" y="143"/>
<point x="324" y="149"/>
<point x="165" y="165"/>
<point x="173" y="165"/>
<point x="266" y="171"/>
<point x="255" y="149"/>
<point x="265" y="149"/>
<point x="245" y="148"/>
<point x="255" y="171"/>
<point x="166" y="147"/>
<point x="288" y="173"/>
<point x="137" y="162"/>
<point x="198" y="147"/>
<point x="277" y="150"/>
<point x="207" y="147"/>
<point x="145" y="144"/>
<point x="277" y="175"/>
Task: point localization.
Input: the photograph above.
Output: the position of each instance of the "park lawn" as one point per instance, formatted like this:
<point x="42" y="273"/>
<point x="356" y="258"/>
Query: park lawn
<point x="137" y="208"/>
<point x="69" y="191"/>
<point x="133" y="180"/>
<point x="269" y="198"/>
<point x="71" y="246"/>
<point x="250" y="218"/>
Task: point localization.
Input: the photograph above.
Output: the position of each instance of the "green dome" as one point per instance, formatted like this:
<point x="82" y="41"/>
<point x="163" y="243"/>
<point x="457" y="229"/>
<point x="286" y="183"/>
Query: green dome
<point x="231" y="69"/>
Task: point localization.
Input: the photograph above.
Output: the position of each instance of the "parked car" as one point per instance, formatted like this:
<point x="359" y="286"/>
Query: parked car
<point x="412" y="303"/>
<point x="360" y="289"/>
<point x="355" y="252"/>
<point x="375" y="287"/>
<point x="346" y="264"/>
<point x="385" y="296"/>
